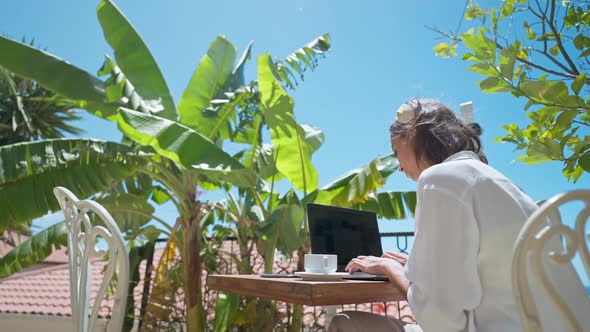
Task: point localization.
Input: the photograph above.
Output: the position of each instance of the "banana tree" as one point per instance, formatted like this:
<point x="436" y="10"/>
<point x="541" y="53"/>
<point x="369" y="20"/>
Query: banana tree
<point x="277" y="221"/>
<point x="179" y="158"/>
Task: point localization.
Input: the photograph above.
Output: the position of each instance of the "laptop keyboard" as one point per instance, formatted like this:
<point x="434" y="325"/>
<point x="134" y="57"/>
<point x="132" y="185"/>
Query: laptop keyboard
<point x="360" y="275"/>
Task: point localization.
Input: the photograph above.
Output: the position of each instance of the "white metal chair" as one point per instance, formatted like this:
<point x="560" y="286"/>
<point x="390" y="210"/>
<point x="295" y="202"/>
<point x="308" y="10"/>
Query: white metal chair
<point x="82" y="238"/>
<point x="547" y="288"/>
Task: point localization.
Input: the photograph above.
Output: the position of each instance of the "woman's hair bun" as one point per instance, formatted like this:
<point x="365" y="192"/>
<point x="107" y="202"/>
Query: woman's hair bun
<point x="475" y="128"/>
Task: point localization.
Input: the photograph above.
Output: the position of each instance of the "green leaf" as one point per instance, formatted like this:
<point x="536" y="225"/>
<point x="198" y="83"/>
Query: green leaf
<point x="390" y="205"/>
<point x="482" y="47"/>
<point x="578" y="83"/>
<point x="263" y="158"/>
<point x="29" y="172"/>
<point x="493" y="85"/>
<point x="554" y="148"/>
<point x="293" y="153"/>
<point x="473" y="11"/>
<point x="226" y="309"/>
<point x="238" y="176"/>
<point x="118" y="87"/>
<point x="582" y="145"/>
<point x="536" y="153"/>
<point x="213" y="71"/>
<point x="314" y="137"/>
<point x="506" y="10"/>
<point x="507" y="60"/>
<point x="564" y="120"/>
<point x="180" y="144"/>
<point x="445" y="50"/>
<point x="134" y="58"/>
<point x="356" y="185"/>
<point x="127" y="210"/>
<point x="57" y="75"/>
<point x="34" y="249"/>
<point x="484" y="69"/>
<point x="237" y="79"/>
<point x="303" y="58"/>
<point x="548" y="92"/>
<point x="554" y="50"/>
<point x="580" y="41"/>
<point x="13" y="93"/>
<point x="577" y="173"/>
<point x="289" y="219"/>
<point x="584" y="162"/>
<point x="160" y="195"/>
<point x="530" y="103"/>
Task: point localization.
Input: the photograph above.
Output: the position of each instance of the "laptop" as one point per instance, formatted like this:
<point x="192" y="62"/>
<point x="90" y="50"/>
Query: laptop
<point x="344" y="232"/>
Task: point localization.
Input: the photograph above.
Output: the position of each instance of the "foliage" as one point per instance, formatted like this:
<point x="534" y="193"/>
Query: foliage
<point x="30" y="112"/>
<point x="537" y="50"/>
<point x="29" y="171"/>
<point x="33" y="249"/>
<point x="173" y="153"/>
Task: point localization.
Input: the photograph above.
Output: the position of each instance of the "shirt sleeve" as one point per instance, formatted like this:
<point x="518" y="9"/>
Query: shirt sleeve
<point x="442" y="267"/>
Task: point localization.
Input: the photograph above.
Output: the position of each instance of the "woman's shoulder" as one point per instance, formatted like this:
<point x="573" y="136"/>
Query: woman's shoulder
<point x="458" y="176"/>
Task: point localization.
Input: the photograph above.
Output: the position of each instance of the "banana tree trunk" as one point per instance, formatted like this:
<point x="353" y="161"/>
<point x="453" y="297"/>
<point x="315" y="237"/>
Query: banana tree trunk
<point x="298" y="308"/>
<point x="193" y="286"/>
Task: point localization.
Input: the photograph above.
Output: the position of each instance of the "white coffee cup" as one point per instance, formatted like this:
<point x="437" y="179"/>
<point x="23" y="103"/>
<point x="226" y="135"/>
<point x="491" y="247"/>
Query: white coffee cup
<point x="320" y="263"/>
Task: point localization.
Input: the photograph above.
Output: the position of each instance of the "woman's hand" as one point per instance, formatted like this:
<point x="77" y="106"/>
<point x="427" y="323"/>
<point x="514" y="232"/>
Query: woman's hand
<point x="398" y="256"/>
<point x="391" y="268"/>
<point x="374" y="265"/>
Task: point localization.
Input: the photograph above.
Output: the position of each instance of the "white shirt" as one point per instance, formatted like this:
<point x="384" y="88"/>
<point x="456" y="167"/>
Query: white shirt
<point x="468" y="216"/>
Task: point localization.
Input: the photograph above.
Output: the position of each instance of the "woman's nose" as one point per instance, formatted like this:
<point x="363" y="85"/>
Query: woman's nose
<point x="401" y="168"/>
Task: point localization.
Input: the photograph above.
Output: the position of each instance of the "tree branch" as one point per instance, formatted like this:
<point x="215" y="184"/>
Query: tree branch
<point x="574" y="69"/>
<point x="534" y="65"/>
<point x="554" y="60"/>
<point x="581" y="123"/>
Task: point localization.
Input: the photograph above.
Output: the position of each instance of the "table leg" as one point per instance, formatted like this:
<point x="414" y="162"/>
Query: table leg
<point x="330" y="313"/>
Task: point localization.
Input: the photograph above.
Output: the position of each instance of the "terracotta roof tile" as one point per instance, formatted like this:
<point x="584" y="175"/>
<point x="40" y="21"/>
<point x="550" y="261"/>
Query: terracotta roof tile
<point x="46" y="291"/>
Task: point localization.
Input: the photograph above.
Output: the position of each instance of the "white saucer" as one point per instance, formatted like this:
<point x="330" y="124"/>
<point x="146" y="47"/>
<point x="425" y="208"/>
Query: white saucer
<point x="321" y="276"/>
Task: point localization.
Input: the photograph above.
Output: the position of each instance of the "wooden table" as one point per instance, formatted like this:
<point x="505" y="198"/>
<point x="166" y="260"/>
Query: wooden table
<point x="314" y="293"/>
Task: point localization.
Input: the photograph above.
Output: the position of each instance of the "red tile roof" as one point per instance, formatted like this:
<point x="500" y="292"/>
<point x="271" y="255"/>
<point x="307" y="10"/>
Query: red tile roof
<point x="46" y="291"/>
<point x="57" y="256"/>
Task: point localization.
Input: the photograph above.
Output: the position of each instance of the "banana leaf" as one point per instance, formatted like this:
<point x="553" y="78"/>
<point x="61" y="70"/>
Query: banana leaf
<point x="29" y="172"/>
<point x="85" y="90"/>
<point x="34" y="249"/>
<point x="185" y="147"/>
<point x="130" y="212"/>
<point x="134" y="58"/>
<point x="390" y="205"/>
<point x="226" y="309"/>
<point x="213" y="71"/>
<point x="293" y="153"/>
<point x="291" y="69"/>
<point x="355" y="185"/>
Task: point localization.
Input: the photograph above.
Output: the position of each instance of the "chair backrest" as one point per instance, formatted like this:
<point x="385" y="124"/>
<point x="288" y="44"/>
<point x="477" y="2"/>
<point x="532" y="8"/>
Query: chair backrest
<point x="82" y="238"/>
<point x="547" y="288"/>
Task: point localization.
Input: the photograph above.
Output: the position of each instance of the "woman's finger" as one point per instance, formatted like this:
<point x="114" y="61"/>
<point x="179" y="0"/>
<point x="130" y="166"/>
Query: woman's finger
<point x="395" y="254"/>
<point x="352" y="267"/>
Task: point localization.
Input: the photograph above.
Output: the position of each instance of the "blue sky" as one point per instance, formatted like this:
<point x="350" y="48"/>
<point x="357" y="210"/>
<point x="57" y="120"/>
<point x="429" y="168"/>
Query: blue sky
<point x="381" y="56"/>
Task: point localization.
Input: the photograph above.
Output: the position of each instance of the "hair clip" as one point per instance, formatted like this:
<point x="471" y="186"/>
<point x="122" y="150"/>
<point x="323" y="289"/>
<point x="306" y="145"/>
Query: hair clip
<point x="405" y="114"/>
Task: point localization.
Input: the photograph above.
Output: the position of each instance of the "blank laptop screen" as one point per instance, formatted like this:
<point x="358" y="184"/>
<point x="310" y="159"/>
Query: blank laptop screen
<point x="344" y="232"/>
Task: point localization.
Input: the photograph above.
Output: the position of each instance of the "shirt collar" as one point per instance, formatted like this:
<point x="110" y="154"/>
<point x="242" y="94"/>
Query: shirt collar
<point x="461" y="155"/>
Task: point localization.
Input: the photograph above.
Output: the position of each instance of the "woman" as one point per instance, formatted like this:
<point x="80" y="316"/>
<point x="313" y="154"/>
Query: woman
<point x="457" y="276"/>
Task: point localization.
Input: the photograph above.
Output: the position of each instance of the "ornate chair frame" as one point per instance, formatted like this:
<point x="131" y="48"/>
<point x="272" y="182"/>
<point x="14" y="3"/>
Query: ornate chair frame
<point x="530" y="250"/>
<point x="82" y="238"/>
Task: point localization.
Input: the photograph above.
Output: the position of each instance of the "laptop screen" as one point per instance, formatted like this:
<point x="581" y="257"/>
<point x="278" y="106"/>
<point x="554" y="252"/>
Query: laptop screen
<point x="344" y="232"/>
